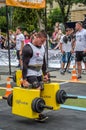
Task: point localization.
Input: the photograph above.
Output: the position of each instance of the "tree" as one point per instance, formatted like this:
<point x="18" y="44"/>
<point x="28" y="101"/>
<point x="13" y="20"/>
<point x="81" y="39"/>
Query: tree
<point x="54" y="15"/>
<point x="29" y="19"/>
<point x="3" y="24"/>
<point x="81" y="1"/>
<point x="23" y="17"/>
<point x="65" y="6"/>
<point x="2" y="11"/>
<point x="3" y="19"/>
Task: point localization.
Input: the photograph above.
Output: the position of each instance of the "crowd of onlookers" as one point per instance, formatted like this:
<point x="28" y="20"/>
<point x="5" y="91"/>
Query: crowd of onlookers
<point x="53" y="40"/>
<point x="12" y="38"/>
<point x="73" y="40"/>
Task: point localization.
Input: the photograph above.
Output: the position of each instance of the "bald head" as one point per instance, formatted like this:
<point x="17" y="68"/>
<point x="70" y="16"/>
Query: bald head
<point x="78" y="26"/>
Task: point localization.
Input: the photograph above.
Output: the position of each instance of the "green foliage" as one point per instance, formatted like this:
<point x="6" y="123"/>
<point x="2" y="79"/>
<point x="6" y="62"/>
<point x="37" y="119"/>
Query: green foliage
<point x="3" y="25"/>
<point x="54" y="16"/>
<point x="2" y="92"/>
<point x="77" y="102"/>
<point x="2" y="11"/>
<point x="3" y="18"/>
<point x="80" y="1"/>
<point x="65" y="6"/>
<point x="27" y="18"/>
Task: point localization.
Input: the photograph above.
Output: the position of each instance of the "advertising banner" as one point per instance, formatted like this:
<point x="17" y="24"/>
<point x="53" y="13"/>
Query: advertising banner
<point x="37" y="4"/>
<point x="54" y="58"/>
<point x="4" y="60"/>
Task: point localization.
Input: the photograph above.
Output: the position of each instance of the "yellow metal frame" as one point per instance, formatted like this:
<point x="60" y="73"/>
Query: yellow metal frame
<point x="22" y="99"/>
<point x="18" y="78"/>
<point x="49" y="95"/>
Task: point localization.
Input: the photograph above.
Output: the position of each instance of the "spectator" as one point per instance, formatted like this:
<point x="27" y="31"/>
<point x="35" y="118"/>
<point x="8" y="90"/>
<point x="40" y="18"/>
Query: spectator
<point x="33" y="34"/>
<point x="11" y="39"/>
<point x="27" y="39"/>
<point x="57" y="25"/>
<point x="19" y="45"/>
<point x="59" y="35"/>
<point x="25" y="33"/>
<point x="2" y="40"/>
<point x="66" y="49"/>
<point x="80" y="46"/>
<point x="54" y="38"/>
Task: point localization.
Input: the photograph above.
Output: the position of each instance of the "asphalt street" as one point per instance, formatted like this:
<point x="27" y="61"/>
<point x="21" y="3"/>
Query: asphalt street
<point x="63" y="119"/>
<point x="55" y="74"/>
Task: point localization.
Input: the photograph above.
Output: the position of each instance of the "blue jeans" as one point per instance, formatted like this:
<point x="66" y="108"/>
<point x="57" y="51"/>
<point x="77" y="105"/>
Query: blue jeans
<point x="66" y="56"/>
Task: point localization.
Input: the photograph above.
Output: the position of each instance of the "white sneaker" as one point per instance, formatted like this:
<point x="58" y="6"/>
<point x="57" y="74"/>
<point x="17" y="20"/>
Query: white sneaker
<point x="84" y="72"/>
<point x="68" y="71"/>
<point x="61" y="71"/>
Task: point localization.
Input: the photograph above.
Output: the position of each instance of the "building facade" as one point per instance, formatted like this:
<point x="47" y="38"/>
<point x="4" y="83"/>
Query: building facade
<point x="78" y="12"/>
<point x="2" y="3"/>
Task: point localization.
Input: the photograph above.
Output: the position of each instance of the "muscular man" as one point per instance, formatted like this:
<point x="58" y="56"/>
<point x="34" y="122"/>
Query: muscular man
<point x="34" y="61"/>
<point x="80" y="46"/>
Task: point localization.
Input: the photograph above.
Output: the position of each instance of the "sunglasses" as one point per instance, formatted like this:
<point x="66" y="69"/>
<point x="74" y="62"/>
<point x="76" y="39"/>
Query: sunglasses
<point x="67" y="30"/>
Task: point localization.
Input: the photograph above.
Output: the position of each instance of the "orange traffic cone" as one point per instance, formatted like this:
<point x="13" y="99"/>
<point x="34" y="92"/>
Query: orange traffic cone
<point x="74" y="75"/>
<point x="8" y="89"/>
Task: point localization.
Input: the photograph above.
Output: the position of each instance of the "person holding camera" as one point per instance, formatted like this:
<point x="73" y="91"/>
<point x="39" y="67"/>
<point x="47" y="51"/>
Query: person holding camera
<point x="66" y="50"/>
<point x="54" y="38"/>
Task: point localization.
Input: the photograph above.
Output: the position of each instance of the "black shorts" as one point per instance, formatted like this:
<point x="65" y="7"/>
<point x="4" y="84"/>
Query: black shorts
<point x="79" y="56"/>
<point x="18" y="55"/>
<point x="35" y="79"/>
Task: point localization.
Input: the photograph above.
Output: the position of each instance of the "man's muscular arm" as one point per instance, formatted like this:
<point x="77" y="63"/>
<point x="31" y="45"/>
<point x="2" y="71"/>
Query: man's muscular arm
<point x="44" y="70"/>
<point x="44" y="67"/>
<point x="27" y="54"/>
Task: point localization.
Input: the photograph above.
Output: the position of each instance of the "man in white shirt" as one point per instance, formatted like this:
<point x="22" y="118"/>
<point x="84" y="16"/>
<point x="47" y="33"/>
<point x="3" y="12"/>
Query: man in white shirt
<point x="80" y="46"/>
<point x="66" y="49"/>
<point x="19" y="44"/>
<point x="34" y="64"/>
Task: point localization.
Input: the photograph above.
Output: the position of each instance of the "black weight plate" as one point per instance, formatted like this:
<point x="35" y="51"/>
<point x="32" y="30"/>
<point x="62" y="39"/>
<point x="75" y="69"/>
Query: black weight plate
<point x="14" y="78"/>
<point x="10" y="99"/>
<point x="60" y="96"/>
<point x="37" y="105"/>
<point x="34" y="104"/>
